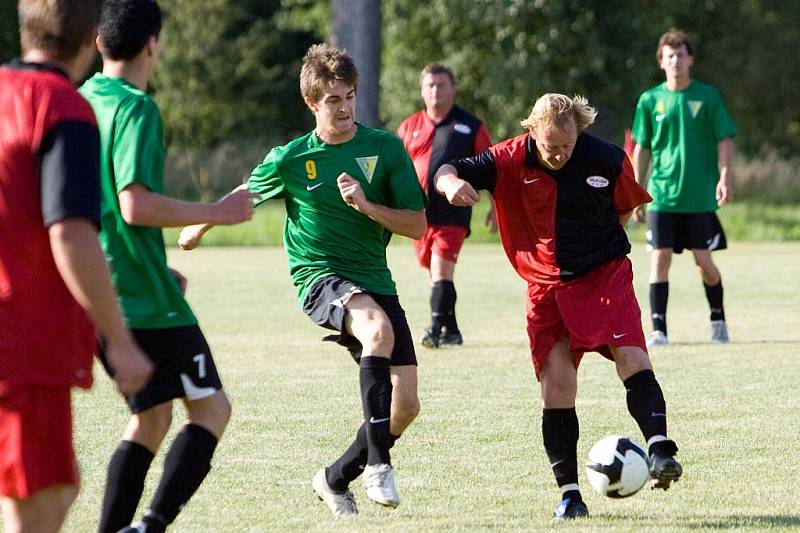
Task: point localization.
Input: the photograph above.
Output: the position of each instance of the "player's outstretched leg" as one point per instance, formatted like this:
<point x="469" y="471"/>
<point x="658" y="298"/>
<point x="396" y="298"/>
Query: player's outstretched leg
<point x="646" y="405"/>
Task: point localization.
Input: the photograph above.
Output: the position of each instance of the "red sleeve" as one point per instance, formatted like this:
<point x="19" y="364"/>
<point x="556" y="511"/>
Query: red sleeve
<point x="482" y="140"/>
<point x="628" y="194"/>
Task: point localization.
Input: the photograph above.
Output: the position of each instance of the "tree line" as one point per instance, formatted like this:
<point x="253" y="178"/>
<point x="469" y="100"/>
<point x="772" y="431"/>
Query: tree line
<point x="229" y="69"/>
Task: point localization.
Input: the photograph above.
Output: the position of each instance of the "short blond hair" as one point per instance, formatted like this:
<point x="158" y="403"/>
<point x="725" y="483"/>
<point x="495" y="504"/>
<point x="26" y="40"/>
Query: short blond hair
<point x="553" y="109"/>
<point x="58" y="27"/>
<point x="324" y="65"/>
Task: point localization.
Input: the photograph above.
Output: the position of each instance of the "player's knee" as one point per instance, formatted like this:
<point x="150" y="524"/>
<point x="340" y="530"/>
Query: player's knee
<point x="379" y="337"/>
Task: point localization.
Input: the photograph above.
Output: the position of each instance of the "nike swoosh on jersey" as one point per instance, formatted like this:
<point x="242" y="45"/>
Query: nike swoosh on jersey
<point x="526" y="181"/>
<point x="618" y="336"/>
<point x="312" y="187"/>
<point x="193" y="392"/>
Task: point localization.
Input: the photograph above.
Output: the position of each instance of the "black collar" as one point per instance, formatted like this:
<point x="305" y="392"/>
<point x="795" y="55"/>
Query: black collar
<point x="19" y="64"/>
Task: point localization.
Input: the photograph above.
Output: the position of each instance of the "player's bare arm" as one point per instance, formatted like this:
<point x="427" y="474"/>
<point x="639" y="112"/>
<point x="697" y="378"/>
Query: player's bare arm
<point x="725" y="184"/>
<point x="641" y="166"/>
<point x="83" y="267"/>
<point x="142" y="207"/>
<point x="192" y="235"/>
<point x="456" y="190"/>
<point x="407" y="222"/>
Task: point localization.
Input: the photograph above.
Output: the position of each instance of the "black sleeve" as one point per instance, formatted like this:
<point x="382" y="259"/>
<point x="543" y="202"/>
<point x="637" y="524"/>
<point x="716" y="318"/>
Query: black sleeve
<point x="478" y="170"/>
<point x="70" y="173"/>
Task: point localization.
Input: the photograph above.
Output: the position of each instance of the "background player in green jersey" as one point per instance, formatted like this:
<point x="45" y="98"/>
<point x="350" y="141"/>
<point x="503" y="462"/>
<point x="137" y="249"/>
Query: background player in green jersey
<point x="133" y="212"/>
<point x="682" y="126"/>
<point x="347" y="188"/>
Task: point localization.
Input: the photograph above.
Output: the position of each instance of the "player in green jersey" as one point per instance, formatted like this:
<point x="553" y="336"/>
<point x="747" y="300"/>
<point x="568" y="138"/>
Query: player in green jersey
<point x="682" y="126"/>
<point x="347" y="189"/>
<point x="151" y="294"/>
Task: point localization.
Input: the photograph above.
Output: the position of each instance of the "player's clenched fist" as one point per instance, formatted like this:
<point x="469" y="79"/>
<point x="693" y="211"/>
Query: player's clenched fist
<point x="236" y="207"/>
<point x="351" y="191"/>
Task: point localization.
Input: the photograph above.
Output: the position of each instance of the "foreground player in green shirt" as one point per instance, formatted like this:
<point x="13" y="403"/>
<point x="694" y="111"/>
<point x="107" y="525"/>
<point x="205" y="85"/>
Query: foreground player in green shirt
<point x="133" y="211"/>
<point x="683" y="127"/>
<point x="347" y="188"/>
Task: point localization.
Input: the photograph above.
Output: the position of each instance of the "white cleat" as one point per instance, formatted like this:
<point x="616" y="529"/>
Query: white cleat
<point x="657" y="338"/>
<point x="719" y="332"/>
<point x="340" y="504"/>
<point x="379" y="484"/>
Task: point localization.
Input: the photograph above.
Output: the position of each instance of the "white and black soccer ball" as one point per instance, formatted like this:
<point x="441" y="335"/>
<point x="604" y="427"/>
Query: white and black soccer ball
<point x="617" y="467"/>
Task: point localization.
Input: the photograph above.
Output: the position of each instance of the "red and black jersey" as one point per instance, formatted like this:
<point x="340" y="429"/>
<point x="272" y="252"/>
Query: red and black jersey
<point x="49" y="171"/>
<point x="557" y="225"/>
<point x="460" y="134"/>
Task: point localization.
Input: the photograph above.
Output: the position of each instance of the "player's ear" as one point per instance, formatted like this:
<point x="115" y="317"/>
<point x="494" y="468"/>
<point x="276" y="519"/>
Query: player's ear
<point x="312" y="105"/>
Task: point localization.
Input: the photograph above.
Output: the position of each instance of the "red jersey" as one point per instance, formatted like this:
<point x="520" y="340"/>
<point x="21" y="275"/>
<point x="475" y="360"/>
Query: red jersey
<point x="49" y="162"/>
<point x="557" y="225"/>
<point x="431" y="145"/>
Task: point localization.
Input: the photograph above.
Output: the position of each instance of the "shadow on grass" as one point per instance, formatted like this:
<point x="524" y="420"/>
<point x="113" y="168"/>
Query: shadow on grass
<point x="740" y="521"/>
<point x="732" y="343"/>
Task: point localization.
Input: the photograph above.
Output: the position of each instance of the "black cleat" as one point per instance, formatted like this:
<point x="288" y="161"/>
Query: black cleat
<point x="570" y="509"/>
<point x="450" y="339"/>
<point x="430" y="340"/>
<point x="664" y="469"/>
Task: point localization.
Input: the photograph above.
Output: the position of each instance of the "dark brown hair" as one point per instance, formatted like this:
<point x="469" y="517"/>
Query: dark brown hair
<point x="323" y="65"/>
<point x="674" y="38"/>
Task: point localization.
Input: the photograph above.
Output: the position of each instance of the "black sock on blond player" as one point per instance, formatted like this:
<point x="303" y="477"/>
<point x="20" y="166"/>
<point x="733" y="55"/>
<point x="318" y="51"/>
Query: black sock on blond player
<point x="646" y="403"/>
<point x="560" y="434"/>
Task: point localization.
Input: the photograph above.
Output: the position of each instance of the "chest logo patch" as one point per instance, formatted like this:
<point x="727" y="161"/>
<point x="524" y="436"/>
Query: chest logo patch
<point x="598" y="182"/>
<point x="694" y="107"/>
<point x="462" y="128"/>
<point x="367" y="166"/>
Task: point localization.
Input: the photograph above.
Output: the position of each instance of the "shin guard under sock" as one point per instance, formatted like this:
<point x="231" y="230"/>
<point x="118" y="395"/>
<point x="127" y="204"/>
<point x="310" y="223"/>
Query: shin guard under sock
<point x="376" y="399"/>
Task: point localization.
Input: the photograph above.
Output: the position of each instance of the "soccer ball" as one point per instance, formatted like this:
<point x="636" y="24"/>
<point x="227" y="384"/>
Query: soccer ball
<point x="617" y="467"/>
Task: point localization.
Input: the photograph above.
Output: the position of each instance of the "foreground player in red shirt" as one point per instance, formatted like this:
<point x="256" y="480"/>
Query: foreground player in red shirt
<point x="52" y="270"/>
<point x="439" y="133"/>
<point x="562" y="197"/>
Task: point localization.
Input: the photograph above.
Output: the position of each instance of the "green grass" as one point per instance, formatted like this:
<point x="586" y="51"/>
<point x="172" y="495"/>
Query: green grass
<point x="473" y="460"/>
<point x="744" y="221"/>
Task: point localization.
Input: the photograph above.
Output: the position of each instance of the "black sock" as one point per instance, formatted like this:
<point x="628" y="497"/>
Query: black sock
<point x="646" y="403"/>
<point x="438" y="308"/>
<point x="376" y="399"/>
<point x="127" y="471"/>
<point x="659" y="294"/>
<point x="185" y="467"/>
<point x="560" y="434"/>
<point x="714" y="297"/>
<point x="449" y="306"/>
<point x="352" y="462"/>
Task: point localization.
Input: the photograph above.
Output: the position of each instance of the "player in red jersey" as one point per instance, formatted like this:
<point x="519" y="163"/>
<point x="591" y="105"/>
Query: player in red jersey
<point x="432" y="137"/>
<point x="562" y="197"/>
<point x="52" y="270"/>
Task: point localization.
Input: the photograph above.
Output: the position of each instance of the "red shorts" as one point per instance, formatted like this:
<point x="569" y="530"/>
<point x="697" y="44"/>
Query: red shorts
<point x="35" y="440"/>
<point x="595" y="312"/>
<point x="444" y="241"/>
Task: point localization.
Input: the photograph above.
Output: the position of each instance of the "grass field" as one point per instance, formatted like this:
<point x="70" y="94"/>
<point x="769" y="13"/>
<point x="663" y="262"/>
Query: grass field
<point x="473" y="460"/>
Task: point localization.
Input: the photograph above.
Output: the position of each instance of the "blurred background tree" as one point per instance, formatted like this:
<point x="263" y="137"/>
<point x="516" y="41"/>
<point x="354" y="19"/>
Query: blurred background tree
<point x="228" y="81"/>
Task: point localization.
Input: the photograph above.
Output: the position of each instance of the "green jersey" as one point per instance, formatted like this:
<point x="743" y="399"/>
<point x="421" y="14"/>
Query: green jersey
<point x="682" y="129"/>
<point x="322" y="235"/>
<point x="132" y="151"/>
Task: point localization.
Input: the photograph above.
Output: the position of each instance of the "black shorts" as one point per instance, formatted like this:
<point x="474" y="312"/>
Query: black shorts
<point x="184" y="366"/>
<point x="695" y="231"/>
<point x="325" y="306"/>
